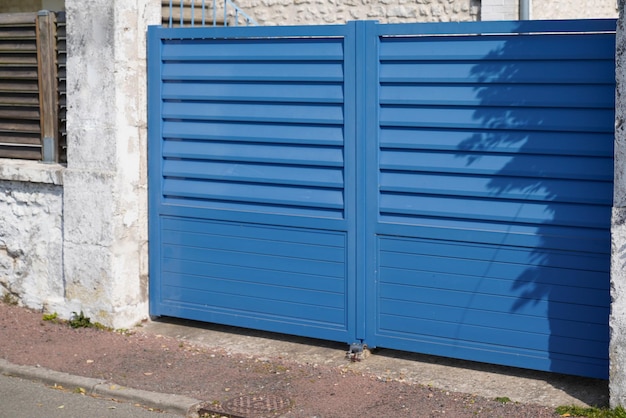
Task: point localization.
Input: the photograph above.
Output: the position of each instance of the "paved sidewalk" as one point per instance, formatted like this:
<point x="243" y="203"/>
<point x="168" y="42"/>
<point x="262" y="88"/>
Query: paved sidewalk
<point x="490" y="381"/>
<point x="21" y="398"/>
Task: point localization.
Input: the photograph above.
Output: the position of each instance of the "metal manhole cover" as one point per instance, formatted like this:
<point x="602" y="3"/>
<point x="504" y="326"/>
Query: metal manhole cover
<point x="256" y="405"/>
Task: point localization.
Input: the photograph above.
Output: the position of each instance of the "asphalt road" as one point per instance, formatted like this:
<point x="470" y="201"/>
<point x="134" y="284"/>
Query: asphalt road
<point x="21" y="398"/>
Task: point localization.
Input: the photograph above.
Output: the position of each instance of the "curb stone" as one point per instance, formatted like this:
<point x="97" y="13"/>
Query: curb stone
<point x="177" y="404"/>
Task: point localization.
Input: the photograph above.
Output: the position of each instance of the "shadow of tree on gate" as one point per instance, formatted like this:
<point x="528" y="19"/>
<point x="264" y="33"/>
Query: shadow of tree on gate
<point x="545" y="139"/>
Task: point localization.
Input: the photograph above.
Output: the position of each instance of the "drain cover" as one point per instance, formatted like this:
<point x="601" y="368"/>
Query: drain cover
<point x="256" y="405"/>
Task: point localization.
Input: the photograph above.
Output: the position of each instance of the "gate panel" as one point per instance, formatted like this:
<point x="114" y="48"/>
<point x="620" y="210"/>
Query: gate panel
<point x="495" y="178"/>
<point x="251" y="215"/>
<point x="389" y="184"/>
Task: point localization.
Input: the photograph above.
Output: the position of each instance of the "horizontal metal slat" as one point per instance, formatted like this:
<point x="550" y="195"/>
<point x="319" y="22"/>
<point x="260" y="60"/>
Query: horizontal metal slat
<point x="250" y="132"/>
<point x="504" y="262"/>
<point x="501" y="118"/>
<point x="260" y="194"/>
<point x="496" y="320"/>
<point x="529" y="72"/>
<point x="480" y="301"/>
<point x="249" y="112"/>
<point x="501" y="187"/>
<point x="257" y="92"/>
<point x="573" y="215"/>
<point x="260" y="153"/>
<point x="178" y="241"/>
<point x="285" y="49"/>
<point x="254" y="173"/>
<point x="255" y="231"/>
<point x="509" y="165"/>
<point x="516" y="341"/>
<point x="244" y="274"/>
<point x="257" y="307"/>
<point x="540" y="236"/>
<point x="485" y="141"/>
<point x="209" y="282"/>
<point x="497" y="95"/>
<point x="255" y="71"/>
<point x="516" y="47"/>
<point x="272" y="262"/>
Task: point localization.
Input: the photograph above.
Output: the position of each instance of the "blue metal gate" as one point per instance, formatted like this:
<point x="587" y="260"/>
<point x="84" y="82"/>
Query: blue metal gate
<point x="437" y="188"/>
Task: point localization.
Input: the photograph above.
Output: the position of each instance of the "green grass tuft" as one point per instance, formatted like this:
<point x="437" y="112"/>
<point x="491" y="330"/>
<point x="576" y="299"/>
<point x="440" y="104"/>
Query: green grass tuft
<point x="591" y="412"/>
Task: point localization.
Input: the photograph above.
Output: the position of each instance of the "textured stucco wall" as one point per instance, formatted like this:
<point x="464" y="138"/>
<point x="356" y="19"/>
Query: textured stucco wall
<point x="310" y="12"/>
<point x="568" y="9"/>
<point x="617" y="323"/>
<point x="31" y="244"/>
<point x="321" y="12"/>
<point x="499" y="10"/>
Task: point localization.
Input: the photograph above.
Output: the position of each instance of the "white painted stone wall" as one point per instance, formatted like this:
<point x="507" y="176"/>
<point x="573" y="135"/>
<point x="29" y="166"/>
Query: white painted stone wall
<point x="105" y="192"/>
<point x="322" y="12"/>
<point x="617" y="323"/>
<point x="31" y="244"/>
<point x="74" y="238"/>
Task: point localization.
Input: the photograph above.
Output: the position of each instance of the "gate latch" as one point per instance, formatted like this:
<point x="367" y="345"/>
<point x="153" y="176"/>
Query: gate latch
<point x="357" y="352"/>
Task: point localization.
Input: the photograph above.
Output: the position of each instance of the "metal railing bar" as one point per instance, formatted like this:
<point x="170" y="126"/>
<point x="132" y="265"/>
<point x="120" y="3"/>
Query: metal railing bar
<point x="214" y="13"/>
<point x="182" y="14"/>
<point x="230" y="9"/>
<point x="170" y="20"/>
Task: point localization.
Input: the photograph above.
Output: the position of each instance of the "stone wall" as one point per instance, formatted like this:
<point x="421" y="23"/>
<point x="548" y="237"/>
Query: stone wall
<point x="31" y="246"/>
<point x="322" y="12"/>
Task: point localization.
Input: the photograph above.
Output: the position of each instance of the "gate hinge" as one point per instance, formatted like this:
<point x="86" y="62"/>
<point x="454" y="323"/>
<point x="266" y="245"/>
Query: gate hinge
<point x="357" y="352"/>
